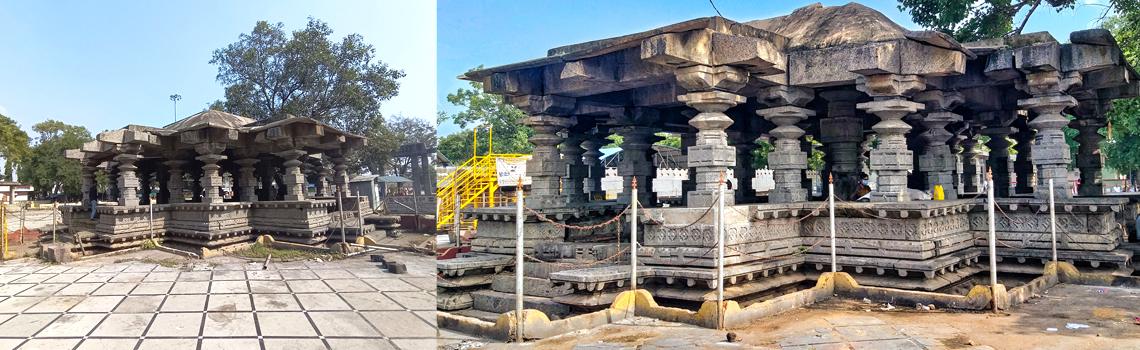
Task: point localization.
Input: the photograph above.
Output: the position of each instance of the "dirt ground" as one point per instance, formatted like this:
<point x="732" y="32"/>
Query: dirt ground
<point x="1107" y="311"/>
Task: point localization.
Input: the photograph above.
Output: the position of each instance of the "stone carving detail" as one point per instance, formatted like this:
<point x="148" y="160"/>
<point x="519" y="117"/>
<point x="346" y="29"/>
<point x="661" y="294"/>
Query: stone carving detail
<point x="842" y="132"/>
<point x="936" y="160"/>
<point x="546" y="167"/>
<point x="1050" y="152"/>
<point x="1089" y="159"/>
<point x="637" y="153"/>
<point x="915" y="230"/>
<point x="891" y="159"/>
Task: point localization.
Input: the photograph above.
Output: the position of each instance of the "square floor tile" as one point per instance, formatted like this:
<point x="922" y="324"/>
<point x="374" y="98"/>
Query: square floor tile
<point x="161" y="276"/>
<point x="19" y="304"/>
<point x="370" y="272"/>
<point x="349" y="344"/>
<point x="229" y="302"/>
<point x="27" y="269"/>
<point x="112" y="268"/>
<point x="123" y="325"/>
<point x="342" y="324"/>
<point x="34" y="278"/>
<point x="371" y="301"/>
<point x="895" y="344"/>
<point x="96" y="277"/>
<point x="334" y="274"/>
<point x="349" y="286"/>
<point x="399" y="324"/>
<point x="71" y="325"/>
<point x="229" y="324"/>
<point x="190" y="288"/>
<point x="194" y="276"/>
<point x="98" y="304"/>
<point x="13" y="289"/>
<point x="25" y="325"/>
<point x="82" y="269"/>
<point x="275" y="302"/>
<point x="228" y="287"/>
<point x="264" y="275"/>
<point x="285" y="324"/>
<point x="65" y="278"/>
<point x="140" y="304"/>
<point x="391" y="285"/>
<point x="115" y="289"/>
<point x="297" y="274"/>
<point x="105" y="344"/>
<point x="140" y="268"/>
<point x="55" y="304"/>
<point x="42" y="290"/>
<point x="152" y="288"/>
<point x="79" y="289"/>
<point x="268" y="287"/>
<point x="175" y="325"/>
<point x="55" y="269"/>
<point x="51" y="344"/>
<point x="865" y="333"/>
<point x="230" y="344"/>
<point x="415" y="344"/>
<point x="322" y="302"/>
<point x="299" y="344"/>
<point x="12" y="277"/>
<point x="188" y="302"/>
<point x="309" y="286"/>
<point x="413" y="300"/>
<point x="230" y="275"/>
<point x="168" y="344"/>
<point x="427" y="284"/>
<point x="129" y="277"/>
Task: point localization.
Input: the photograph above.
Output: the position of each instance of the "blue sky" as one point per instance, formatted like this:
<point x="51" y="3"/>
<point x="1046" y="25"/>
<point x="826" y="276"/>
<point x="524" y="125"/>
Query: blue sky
<point x="492" y="33"/>
<point x="107" y="64"/>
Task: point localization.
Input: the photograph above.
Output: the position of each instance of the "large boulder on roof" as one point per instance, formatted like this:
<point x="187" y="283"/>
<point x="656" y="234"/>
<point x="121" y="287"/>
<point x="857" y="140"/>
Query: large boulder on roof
<point x="816" y="27"/>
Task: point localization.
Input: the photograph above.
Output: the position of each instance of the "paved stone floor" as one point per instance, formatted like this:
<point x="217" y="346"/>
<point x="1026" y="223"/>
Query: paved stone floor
<point x="346" y="304"/>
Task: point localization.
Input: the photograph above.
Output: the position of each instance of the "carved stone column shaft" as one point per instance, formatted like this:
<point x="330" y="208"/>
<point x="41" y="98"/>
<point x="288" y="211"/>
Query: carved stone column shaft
<point x="891" y="160"/>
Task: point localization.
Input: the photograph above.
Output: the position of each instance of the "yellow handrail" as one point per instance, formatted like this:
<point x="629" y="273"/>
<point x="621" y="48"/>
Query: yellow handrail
<point x="475" y="183"/>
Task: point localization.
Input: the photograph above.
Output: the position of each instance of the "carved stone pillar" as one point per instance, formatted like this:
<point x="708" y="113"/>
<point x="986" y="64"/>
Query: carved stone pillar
<point x="1023" y="166"/>
<point x="688" y="140"/>
<point x="545" y="167"/>
<point x="841" y="133"/>
<point x="594" y="168"/>
<point x="90" y="188"/>
<point x="788" y="160"/>
<point x="267" y="173"/>
<point x="891" y="160"/>
<point x="248" y="185"/>
<point x="175" y="184"/>
<point x="144" y="176"/>
<point x="211" y="181"/>
<point x="128" y="180"/>
<point x="1050" y="152"/>
<point x="576" y="170"/>
<point x="113" y="182"/>
<point x="970" y="172"/>
<point x="294" y="180"/>
<point x="744" y="172"/>
<point x="711" y="92"/>
<point x="321" y="173"/>
<point x="1089" y="159"/>
<point x="936" y="161"/>
<point x="637" y="154"/>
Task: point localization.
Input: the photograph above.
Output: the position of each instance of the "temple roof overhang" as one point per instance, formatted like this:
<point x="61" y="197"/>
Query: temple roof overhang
<point x="215" y="132"/>
<point x="814" y="46"/>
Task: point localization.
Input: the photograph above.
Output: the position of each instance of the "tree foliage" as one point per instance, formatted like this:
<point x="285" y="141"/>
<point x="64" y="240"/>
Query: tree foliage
<point x="14" y="145"/>
<point x="480" y="110"/>
<point x="268" y="74"/>
<point x="1122" y="152"/>
<point x="972" y="20"/>
<point x="410" y="130"/>
<point x="45" y="168"/>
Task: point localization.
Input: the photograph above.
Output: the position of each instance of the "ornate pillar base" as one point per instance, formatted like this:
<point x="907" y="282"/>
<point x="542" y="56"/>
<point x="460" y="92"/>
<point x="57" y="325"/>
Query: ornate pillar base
<point x="248" y="182"/>
<point x="576" y="171"/>
<point x="128" y="182"/>
<point x="891" y="160"/>
<point x="294" y="180"/>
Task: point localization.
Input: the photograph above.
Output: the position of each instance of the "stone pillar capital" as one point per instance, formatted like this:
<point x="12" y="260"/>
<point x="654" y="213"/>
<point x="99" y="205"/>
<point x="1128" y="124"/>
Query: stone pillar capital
<point x="939" y="100"/>
<point x="890" y="85"/>
<point x="709" y="78"/>
<point x="1048" y="82"/>
<point x="784" y="95"/>
<point x="543" y="104"/>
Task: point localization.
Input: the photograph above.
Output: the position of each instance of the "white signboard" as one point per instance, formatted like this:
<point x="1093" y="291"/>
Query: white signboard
<point x="510" y="170"/>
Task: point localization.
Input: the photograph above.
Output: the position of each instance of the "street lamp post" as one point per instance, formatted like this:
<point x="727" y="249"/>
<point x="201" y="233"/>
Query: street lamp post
<point x="175" y="98"/>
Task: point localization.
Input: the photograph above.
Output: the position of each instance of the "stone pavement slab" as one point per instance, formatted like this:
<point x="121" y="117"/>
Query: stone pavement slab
<point x="123" y="325"/>
<point x="285" y="324"/>
<point x="864" y="333"/>
<point x="229" y="324"/>
<point x="275" y="302"/>
<point x="106" y="344"/>
<point x="894" y="344"/>
<point x="342" y="324"/>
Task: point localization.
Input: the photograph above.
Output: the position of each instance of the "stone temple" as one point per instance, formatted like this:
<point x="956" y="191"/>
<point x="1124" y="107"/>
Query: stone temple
<point x="906" y="107"/>
<point x="268" y="166"/>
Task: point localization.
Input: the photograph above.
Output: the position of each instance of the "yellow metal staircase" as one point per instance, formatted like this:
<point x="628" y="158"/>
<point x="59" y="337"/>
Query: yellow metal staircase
<point x="474" y="184"/>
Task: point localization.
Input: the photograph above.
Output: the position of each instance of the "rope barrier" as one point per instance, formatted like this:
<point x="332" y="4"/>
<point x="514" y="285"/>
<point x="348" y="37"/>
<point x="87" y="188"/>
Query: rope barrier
<point x="802" y="251"/>
<point x="654" y="257"/>
<point x="578" y="266"/>
<point x="591" y="227"/>
<point x="674" y="228"/>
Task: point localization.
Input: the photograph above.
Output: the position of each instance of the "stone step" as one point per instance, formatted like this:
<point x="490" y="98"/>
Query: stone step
<point x="539" y="287"/>
<point x="492" y="301"/>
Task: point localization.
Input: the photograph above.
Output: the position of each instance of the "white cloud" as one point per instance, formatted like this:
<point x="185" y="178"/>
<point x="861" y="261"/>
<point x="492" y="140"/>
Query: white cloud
<point x="3" y="111"/>
<point x="1092" y="2"/>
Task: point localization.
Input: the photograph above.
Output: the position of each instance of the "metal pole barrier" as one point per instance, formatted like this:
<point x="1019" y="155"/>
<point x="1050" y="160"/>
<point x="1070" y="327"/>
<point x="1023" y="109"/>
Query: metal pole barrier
<point x="720" y="255"/>
<point x="23" y="230"/>
<point x="519" y="260"/>
<point x="1052" y="217"/>
<point x="340" y="206"/>
<point x="4" y="238"/>
<point x="150" y="207"/>
<point x="54" y="208"/>
<point x="360" y="218"/>
<point x="993" y="244"/>
<point x="831" y="210"/>
<point x="633" y="238"/>
<point x="458" y="237"/>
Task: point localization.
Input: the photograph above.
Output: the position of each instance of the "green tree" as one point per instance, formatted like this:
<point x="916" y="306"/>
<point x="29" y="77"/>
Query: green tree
<point x="268" y="74"/>
<point x="45" y="167"/>
<point x="13" y="145"/>
<point x="480" y="110"/>
<point x="973" y="20"/>
<point x="1122" y="151"/>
